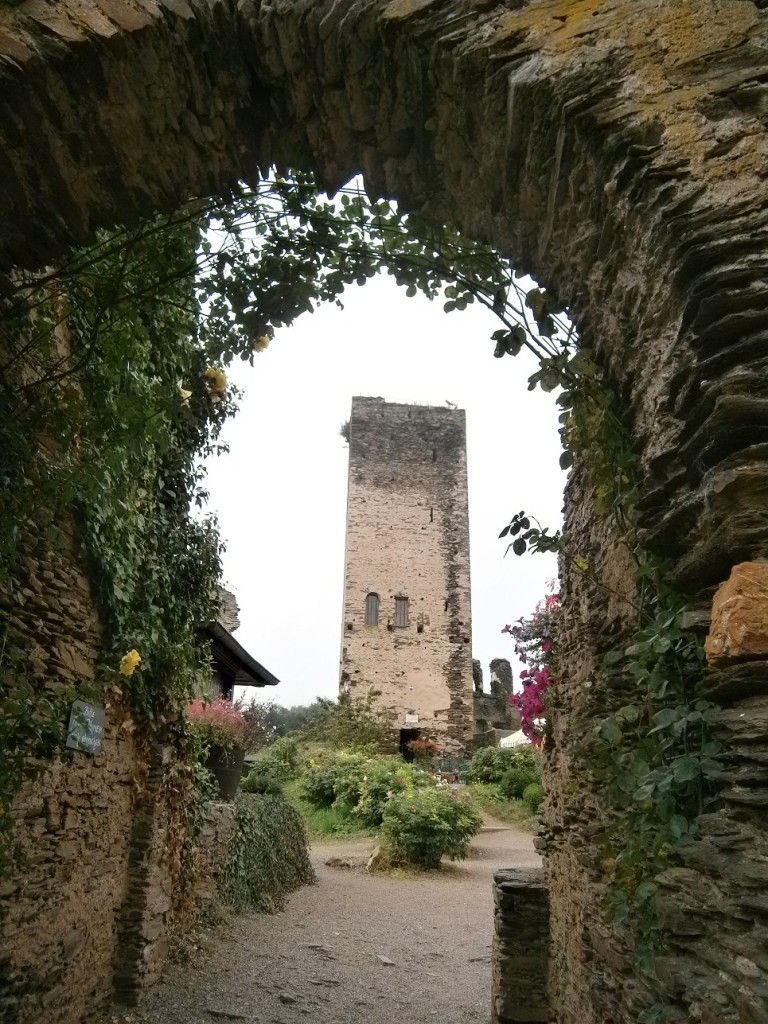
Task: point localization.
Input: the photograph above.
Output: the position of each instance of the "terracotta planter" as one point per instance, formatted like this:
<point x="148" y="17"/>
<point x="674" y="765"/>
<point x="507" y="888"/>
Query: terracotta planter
<point x="226" y="766"/>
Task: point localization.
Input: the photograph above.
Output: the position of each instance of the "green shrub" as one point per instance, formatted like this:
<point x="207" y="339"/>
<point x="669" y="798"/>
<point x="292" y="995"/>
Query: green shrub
<point x="283" y="755"/>
<point x="267" y="857"/>
<point x="258" y="782"/>
<point x="490" y="763"/>
<point x="318" y="783"/>
<point x="278" y="761"/>
<point x="359" y="786"/>
<point x="419" y="828"/>
<point x="514" y="782"/>
<point x="532" y="797"/>
<point x="351" y="771"/>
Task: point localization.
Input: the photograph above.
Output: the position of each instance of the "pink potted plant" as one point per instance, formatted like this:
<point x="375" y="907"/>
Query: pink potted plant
<point x="221" y="729"/>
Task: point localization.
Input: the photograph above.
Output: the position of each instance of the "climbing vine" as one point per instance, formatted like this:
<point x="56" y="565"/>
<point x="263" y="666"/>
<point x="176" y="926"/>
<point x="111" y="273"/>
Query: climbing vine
<point x="653" y="758"/>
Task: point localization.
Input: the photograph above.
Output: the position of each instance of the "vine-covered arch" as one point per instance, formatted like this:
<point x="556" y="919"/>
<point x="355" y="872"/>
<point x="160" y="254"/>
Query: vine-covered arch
<point x="616" y="150"/>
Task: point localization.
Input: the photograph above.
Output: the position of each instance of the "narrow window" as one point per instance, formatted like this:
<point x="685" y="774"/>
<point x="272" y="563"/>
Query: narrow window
<point x="372" y="610"/>
<point x="401" y="612"/>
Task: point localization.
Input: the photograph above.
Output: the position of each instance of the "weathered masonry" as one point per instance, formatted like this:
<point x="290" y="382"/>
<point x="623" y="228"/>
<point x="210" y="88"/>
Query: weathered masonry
<point x="406" y="627"/>
<point x="615" y="149"/>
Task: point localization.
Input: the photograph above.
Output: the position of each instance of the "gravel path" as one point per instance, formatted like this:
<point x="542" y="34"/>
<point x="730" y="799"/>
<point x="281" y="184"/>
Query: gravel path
<point x="353" y="949"/>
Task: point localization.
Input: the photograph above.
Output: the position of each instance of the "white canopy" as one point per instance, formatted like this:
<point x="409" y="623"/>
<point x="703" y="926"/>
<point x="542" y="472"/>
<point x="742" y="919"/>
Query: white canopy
<point x="515" y="739"/>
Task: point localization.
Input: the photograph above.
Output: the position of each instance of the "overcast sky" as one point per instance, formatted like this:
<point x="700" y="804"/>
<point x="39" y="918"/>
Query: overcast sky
<point x="280" y="494"/>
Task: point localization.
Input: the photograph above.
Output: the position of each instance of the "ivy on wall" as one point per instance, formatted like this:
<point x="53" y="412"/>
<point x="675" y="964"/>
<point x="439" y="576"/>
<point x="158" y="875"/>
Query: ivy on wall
<point x="654" y="761"/>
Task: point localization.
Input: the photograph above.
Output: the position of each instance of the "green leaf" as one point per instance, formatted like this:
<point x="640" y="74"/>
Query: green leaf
<point x="610" y="731"/>
<point x="685" y="769"/>
<point x="678" y="826"/>
<point x="644" y="892"/>
<point x="665" y="717"/>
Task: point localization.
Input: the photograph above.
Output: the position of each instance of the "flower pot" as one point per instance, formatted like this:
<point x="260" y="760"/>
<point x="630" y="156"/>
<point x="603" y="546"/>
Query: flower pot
<point x="226" y="767"/>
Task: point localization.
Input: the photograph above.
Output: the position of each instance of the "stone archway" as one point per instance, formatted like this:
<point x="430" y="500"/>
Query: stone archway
<point x="616" y="150"/>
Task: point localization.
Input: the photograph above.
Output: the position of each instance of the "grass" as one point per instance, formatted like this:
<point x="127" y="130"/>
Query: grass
<point x="512" y="812"/>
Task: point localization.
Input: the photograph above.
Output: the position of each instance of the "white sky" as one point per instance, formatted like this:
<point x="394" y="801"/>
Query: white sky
<point x="280" y="494"/>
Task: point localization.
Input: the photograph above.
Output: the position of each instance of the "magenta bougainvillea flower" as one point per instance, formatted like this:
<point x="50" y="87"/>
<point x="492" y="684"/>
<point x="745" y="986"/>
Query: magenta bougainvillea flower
<point x="536" y="646"/>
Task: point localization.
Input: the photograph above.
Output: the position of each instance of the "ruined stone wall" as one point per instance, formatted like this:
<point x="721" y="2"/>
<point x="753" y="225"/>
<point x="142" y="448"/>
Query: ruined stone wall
<point x="89" y="897"/>
<point x="57" y="911"/>
<point x="616" y="149"/>
<point x="408" y="536"/>
<point x="520" y="947"/>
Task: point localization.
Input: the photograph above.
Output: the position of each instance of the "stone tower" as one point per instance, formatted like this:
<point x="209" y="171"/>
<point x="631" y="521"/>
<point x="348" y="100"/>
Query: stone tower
<point x="407" y="628"/>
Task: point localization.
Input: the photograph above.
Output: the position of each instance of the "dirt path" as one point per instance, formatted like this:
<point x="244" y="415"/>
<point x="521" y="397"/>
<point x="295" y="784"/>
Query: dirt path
<point x="354" y="949"/>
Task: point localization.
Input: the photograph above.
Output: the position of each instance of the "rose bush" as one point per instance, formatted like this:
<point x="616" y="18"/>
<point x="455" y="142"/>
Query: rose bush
<point x="422" y="749"/>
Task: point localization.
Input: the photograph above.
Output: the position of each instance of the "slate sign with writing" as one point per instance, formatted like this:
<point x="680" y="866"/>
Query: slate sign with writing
<point x="86" y="727"/>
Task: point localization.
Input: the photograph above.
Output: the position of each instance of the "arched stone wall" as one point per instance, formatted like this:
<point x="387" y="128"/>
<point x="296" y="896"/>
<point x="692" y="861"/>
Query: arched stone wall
<point x="617" y="150"/>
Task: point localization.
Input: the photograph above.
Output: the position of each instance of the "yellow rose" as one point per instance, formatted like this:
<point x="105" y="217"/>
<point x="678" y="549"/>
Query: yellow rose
<point x="216" y="380"/>
<point x="261" y="343"/>
<point x="184" y="395"/>
<point x="129" y="662"/>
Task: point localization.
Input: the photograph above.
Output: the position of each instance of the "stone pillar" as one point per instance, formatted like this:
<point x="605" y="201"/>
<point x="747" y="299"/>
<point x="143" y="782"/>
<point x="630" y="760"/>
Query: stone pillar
<point x="520" y="947"/>
<point x="144" y="918"/>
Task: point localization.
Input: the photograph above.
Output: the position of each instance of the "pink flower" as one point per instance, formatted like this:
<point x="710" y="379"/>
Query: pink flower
<point x="217" y="722"/>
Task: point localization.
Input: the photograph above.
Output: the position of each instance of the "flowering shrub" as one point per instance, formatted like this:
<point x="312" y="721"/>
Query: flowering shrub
<point x="384" y="779"/>
<point x="421" y="827"/>
<point x="318" y="784"/>
<point x="216" y="383"/>
<point x="423" y="750"/>
<point x="217" y="723"/>
<point x="357" y="785"/>
<point x="536" y="646"/>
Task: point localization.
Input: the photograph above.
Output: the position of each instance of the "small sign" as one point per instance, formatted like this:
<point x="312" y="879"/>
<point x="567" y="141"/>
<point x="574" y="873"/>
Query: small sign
<point x="411" y="719"/>
<point x="86" y="727"/>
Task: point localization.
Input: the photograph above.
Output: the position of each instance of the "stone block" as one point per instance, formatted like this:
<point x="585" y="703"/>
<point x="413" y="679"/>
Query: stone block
<point x="739" y="627"/>
<point x="520" y="961"/>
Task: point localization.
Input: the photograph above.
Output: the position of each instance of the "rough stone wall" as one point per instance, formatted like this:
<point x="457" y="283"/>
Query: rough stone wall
<point x="143" y="922"/>
<point x="229" y="610"/>
<point x="408" y="536"/>
<point x="520" y="947"/>
<point x="210" y="854"/>
<point x="58" y="909"/>
<point x="616" y="149"/>
<point x="492" y="711"/>
<point x="87" y="907"/>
